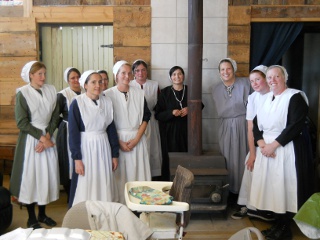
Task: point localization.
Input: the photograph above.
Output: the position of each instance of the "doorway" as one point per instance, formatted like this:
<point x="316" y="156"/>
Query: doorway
<point x="84" y="47"/>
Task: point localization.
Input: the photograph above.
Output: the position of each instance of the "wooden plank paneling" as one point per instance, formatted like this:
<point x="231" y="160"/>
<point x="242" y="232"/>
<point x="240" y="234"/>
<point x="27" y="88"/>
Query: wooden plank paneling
<point x="240" y="2"/>
<point x="240" y="15"/>
<point x="10" y="67"/>
<point x="132" y="2"/>
<point x="91" y="2"/>
<point x="56" y="2"/>
<point x="11" y="11"/>
<point x="18" y="44"/>
<point x="8" y="90"/>
<point x="285" y="13"/>
<point x="17" y="24"/>
<point x="132" y="36"/>
<point x="6" y="112"/>
<point x="240" y="53"/>
<point x="79" y="14"/>
<point x="132" y="33"/>
<point x="132" y="17"/>
<point x="130" y="54"/>
<point x="239" y="34"/>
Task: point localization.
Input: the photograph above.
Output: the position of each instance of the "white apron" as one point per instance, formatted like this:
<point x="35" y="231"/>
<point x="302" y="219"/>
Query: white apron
<point x="152" y="133"/>
<point x="133" y="165"/>
<point x="98" y="182"/>
<point x="69" y="95"/>
<point x="274" y="186"/>
<point x="40" y="177"/>
<point x="255" y="100"/>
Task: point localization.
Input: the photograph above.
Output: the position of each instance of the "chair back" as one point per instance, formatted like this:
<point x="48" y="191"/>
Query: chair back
<point x="181" y="190"/>
<point x="77" y="217"/>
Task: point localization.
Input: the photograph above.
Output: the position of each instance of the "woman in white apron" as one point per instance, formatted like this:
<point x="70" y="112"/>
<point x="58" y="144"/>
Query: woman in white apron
<point x="151" y="90"/>
<point x="260" y="86"/>
<point x="71" y="76"/>
<point x="282" y="176"/>
<point x="94" y="143"/>
<point x="35" y="176"/>
<point x="131" y="116"/>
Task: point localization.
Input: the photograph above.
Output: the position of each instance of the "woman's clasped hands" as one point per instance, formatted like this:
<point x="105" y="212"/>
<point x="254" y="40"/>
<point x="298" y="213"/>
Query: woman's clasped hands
<point x="180" y="113"/>
<point x="44" y="143"/>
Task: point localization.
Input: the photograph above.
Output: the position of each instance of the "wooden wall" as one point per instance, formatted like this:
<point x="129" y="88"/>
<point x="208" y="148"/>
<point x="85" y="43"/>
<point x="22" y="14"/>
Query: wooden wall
<point x="18" y="39"/>
<point x="131" y="20"/>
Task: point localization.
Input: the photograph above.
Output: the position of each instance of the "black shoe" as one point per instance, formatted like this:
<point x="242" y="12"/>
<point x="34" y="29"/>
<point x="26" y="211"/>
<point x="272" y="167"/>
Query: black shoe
<point x="263" y="215"/>
<point x="270" y="231"/>
<point x="282" y="233"/>
<point x="48" y="221"/>
<point x="34" y="225"/>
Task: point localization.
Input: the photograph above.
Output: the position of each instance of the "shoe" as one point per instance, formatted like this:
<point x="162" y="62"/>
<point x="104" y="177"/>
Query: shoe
<point x="281" y="233"/>
<point x="270" y="231"/>
<point x="263" y="215"/>
<point x="34" y="225"/>
<point x="48" y="221"/>
<point x="240" y="214"/>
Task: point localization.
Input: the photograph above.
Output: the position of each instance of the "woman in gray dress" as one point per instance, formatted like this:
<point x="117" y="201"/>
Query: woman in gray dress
<point x="230" y="97"/>
<point x="35" y="174"/>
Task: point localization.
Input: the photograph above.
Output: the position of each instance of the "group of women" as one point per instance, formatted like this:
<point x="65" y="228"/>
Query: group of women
<point x="278" y="173"/>
<point x="106" y="136"/>
<point x="109" y="136"/>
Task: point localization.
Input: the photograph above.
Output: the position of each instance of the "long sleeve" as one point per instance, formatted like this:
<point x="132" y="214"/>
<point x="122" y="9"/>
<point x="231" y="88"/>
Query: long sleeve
<point x="75" y="127"/>
<point x="23" y="117"/>
<point x="257" y="134"/>
<point x="113" y="140"/>
<point x="54" y="121"/>
<point x="62" y="103"/>
<point x="162" y="111"/>
<point x="146" y="112"/>
<point x="297" y="112"/>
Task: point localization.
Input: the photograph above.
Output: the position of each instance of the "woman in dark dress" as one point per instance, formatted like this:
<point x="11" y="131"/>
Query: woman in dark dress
<point x="71" y="76"/>
<point x="172" y="114"/>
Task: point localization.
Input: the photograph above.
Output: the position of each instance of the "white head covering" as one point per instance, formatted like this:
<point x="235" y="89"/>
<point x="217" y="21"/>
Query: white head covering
<point x="141" y="60"/>
<point x="261" y="68"/>
<point x="26" y="70"/>
<point x="84" y="77"/>
<point x="283" y="69"/>
<point x="117" y="66"/>
<point x="233" y="63"/>
<point x="65" y="75"/>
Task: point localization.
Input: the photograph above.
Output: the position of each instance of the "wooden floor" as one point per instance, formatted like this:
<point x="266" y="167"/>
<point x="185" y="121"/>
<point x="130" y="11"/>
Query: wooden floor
<point x="201" y="227"/>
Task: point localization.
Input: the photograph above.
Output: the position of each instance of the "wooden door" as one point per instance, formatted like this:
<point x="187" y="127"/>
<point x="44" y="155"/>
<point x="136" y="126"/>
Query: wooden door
<point x="75" y="46"/>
